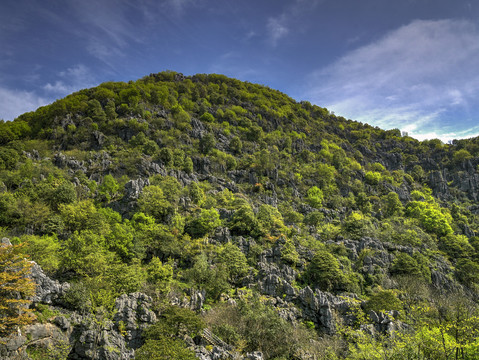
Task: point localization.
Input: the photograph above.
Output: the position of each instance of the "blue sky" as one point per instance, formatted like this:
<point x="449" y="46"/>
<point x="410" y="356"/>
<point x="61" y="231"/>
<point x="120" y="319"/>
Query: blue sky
<point x="409" y="64"/>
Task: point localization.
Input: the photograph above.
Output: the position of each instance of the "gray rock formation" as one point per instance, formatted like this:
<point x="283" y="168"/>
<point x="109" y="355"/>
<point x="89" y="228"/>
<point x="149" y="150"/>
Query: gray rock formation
<point x="48" y="291"/>
<point x="133" y="316"/>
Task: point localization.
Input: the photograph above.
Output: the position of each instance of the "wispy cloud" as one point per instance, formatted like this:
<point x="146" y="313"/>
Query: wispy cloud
<point x="16" y="102"/>
<point x="411" y="79"/>
<point x="70" y="80"/>
<point x="276" y="29"/>
<point x="279" y="26"/>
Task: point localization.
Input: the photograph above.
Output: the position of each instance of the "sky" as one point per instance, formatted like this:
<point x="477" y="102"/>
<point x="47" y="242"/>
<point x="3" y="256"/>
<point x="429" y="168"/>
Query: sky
<point x="406" y="64"/>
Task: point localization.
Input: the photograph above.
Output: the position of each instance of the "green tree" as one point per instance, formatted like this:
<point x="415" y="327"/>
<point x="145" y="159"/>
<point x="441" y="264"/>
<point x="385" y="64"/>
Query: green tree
<point x="244" y="222"/>
<point x="153" y="202"/>
<point x="109" y="187"/>
<point x="159" y="274"/>
<point x="207" y="143"/>
<point x="324" y="272"/>
<point x="315" y="197"/>
<point x="393" y="205"/>
<point x="202" y="224"/>
<point x="233" y="259"/>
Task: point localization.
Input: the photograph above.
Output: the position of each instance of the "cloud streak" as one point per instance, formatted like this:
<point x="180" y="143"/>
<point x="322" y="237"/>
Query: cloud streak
<point x="72" y="79"/>
<point x="411" y="79"/>
<point x="16" y="102"/>
<point x="279" y="26"/>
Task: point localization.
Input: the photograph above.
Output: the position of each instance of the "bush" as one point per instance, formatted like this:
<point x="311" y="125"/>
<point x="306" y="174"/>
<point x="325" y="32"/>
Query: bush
<point x="315" y="197"/>
<point x="324" y="272"/>
<point x="383" y="300"/>
<point x="372" y="177"/>
<point x="205" y="222"/>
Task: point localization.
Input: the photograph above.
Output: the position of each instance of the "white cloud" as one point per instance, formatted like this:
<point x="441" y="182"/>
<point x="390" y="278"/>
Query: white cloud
<point x="72" y="79"/>
<point x="277" y="29"/>
<point x="16" y="102"/>
<point x="279" y="26"/>
<point x="411" y="78"/>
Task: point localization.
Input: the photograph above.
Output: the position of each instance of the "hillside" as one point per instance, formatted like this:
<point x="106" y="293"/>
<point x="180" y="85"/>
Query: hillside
<point x="171" y="204"/>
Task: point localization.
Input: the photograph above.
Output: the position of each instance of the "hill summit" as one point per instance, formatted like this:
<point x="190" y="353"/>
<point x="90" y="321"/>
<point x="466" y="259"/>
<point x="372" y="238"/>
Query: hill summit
<point x="204" y="216"/>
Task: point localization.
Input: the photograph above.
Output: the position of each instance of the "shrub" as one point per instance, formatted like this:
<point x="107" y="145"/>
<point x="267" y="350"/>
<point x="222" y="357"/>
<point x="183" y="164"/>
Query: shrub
<point x="372" y="177"/>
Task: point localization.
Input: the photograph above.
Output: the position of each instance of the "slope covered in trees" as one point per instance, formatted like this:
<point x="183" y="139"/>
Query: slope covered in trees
<point x="304" y="232"/>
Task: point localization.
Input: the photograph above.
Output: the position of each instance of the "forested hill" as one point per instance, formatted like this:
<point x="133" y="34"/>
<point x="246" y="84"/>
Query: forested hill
<point x="173" y="204"/>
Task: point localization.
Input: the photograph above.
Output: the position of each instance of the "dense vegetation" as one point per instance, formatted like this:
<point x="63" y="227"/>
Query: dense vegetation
<point x="235" y="170"/>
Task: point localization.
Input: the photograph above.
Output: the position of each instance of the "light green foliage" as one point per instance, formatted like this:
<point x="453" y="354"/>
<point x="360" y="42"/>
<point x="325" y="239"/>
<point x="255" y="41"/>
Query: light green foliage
<point x="196" y="193"/>
<point x="461" y="155"/>
<point x="270" y="220"/>
<point x="159" y="274"/>
<point x="153" y="202"/>
<point x="315" y="197"/>
<point x="383" y="300"/>
<point x="289" y="253"/>
<point x="125" y="278"/>
<point x="372" y="177"/>
<point x="82" y="215"/>
<point x="85" y="254"/>
<point x="63" y="194"/>
<point x="430" y="217"/>
<point x="109" y="188"/>
<point x="45" y="251"/>
<point x="357" y="225"/>
<point x="121" y="241"/>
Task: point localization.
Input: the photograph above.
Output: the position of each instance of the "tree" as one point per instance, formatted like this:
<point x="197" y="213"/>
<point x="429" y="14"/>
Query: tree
<point x="233" y="259"/>
<point x="315" y="197"/>
<point x="393" y="205"/>
<point x="15" y="288"/>
<point x="109" y="187"/>
<point x="207" y="143"/>
<point x="460" y="156"/>
<point x="152" y="202"/>
<point x="324" y="272"/>
<point x="206" y="221"/>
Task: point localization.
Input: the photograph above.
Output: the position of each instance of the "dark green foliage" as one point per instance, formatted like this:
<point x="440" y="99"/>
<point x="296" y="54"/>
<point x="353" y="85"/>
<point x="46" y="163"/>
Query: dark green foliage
<point x="324" y="272"/>
<point x="207" y="143"/>
<point x="204" y="275"/>
<point x="234" y="261"/>
<point x="455" y="246"/>
<point x="203" y="223"/>
<point x="404" y="264"/>
<point x="244" y="222"/>
<point x="161" y="338"/>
